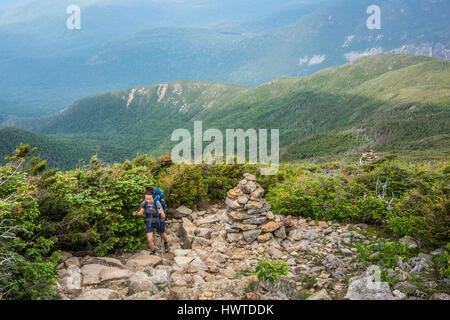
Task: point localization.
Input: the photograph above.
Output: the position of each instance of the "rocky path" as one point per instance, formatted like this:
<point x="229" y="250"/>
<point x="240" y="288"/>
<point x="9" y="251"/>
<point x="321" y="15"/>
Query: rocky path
<point x="209" y="259"/>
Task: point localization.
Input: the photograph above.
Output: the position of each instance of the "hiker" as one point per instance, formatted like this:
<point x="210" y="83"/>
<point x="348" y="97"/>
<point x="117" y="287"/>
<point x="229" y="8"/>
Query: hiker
<point x="155" y="217"/>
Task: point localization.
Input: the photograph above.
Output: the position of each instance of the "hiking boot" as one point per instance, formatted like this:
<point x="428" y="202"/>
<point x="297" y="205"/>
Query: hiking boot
<point x="166" y="247"/>
<point x="153" y="253"/>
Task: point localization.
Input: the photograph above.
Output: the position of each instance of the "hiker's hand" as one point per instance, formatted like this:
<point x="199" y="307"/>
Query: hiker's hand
<point x="135" y="213"/>
<point x="163" y="215"/>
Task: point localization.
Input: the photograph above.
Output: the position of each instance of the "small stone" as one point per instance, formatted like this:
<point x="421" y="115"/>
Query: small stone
<point x="72" y="261"/>
<point x="256" y="220"/>
<point x="271" y="226"/>
<point x="321" y="295"/>
<point x="249" y="177"/>
<point x="235" y="193"/>
<point x="252" y="204"/>
<point x="234" y="237"/>
<point x="232" y="204"/>
<point x="399" y="294"/>
<point x="251" y="235"/>
<point x="98" y="294"/>
<point x="280" y="233"/>
<point x="264" y="237"/>
<point x="243" y="226"/>
<point x="183" y="211"/>
<point x="242" y="200"/>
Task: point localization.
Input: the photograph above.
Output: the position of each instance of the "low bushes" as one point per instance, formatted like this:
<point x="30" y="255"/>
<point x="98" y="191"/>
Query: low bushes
<point x="405" y="199"/>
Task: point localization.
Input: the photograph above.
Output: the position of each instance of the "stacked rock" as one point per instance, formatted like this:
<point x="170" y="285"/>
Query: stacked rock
<point x="368" y="157"/>
<point x="247" y="210"/>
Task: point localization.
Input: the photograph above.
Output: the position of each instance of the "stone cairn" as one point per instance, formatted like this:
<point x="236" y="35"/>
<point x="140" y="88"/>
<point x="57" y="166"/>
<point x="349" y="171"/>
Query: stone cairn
<point x="248" y="214"/>
<point x="368" y="157"/>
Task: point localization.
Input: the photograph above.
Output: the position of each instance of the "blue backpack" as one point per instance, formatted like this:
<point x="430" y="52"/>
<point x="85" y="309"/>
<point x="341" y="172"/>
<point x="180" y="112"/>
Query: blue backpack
<point x="159" y="196"/>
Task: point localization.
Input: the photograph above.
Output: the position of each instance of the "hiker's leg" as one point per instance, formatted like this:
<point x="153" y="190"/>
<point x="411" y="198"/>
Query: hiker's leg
<point x="150" y="241"/>
<point x="164" y="236"/>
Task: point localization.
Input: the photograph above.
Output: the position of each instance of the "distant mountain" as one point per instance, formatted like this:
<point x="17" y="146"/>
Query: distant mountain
<point x="121" y="44"/>
<point x="386" y="102"/>
<point x="63" y="153"/>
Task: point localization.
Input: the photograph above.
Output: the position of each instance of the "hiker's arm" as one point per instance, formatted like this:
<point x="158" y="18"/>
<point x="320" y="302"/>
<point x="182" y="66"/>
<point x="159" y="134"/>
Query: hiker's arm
<point x="162" y="213"/>
<point x="139" y="213"/>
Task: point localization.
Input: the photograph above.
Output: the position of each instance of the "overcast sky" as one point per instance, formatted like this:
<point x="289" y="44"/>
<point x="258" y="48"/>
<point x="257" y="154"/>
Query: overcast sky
<point x="7" y="4"/>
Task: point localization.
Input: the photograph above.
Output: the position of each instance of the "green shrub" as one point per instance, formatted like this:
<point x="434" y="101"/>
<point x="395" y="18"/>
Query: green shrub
<point x="27" y="264"/>
<point x="270" y="271"/>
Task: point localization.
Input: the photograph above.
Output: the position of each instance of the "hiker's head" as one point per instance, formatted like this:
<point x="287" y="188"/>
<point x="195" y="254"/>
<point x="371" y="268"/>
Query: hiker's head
<point x="150" y="189"/>
<point x="149" y="197"/>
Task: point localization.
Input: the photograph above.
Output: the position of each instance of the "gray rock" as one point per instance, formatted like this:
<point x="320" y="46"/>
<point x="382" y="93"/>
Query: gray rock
<point x="203" y="233"/>
<point x="411" y="242"/>
<point x="440" y="296"/>
<point x="405" y="287"/>
<point x="98" y="294"/>
<point x="321" y="295"/>
<point x="399" y="294"/>
<point x="364" y="288"/>
<point x="72" y="280"/>
<point x="183" y="211"/>
<point x="232" y="204"/>
<point x="256" y="220"/>
<point x="230" y="229"/>
<point x="280" y="233"/>
<point x="91" y="273"/>
<point x="251" y="235"/>
<point x="160" y="278"/>
<point x="197" y="265"/>
<point x="141" y="282"/>
<point x="72" y="261"/>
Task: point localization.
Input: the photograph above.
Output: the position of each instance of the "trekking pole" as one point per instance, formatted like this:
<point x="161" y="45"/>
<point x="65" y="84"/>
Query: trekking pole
<point x="162" y="248"/>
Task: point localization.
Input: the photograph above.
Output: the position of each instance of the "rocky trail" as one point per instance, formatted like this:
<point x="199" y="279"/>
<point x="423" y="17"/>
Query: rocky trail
<point x="214" y="251"/>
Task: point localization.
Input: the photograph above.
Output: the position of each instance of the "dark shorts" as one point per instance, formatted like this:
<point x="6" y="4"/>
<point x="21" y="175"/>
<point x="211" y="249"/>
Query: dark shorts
<point x="159" y="227"/>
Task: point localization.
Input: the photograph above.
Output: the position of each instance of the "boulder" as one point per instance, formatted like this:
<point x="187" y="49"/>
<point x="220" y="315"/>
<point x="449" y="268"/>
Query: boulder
<point x="160" y="278"/>
<point x="72" y="261"/>
<point x="183" y="212"/>
<point x="440" y="296"/>
<point x="364" y="288"/>
<point x="114" y="274"/>
<point x="197" y="265"/>
<point x="203" y="233"/>
<point x="321" y="295"/>
<point x="72" y="280"/>
<point x="98" y="294"/>
<point x="143" y="262"/>
<point x="183" y="261"/>
<point x="91" y="273"/>
<point x="178" y="280"/>
<point x="141" y="282"/>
